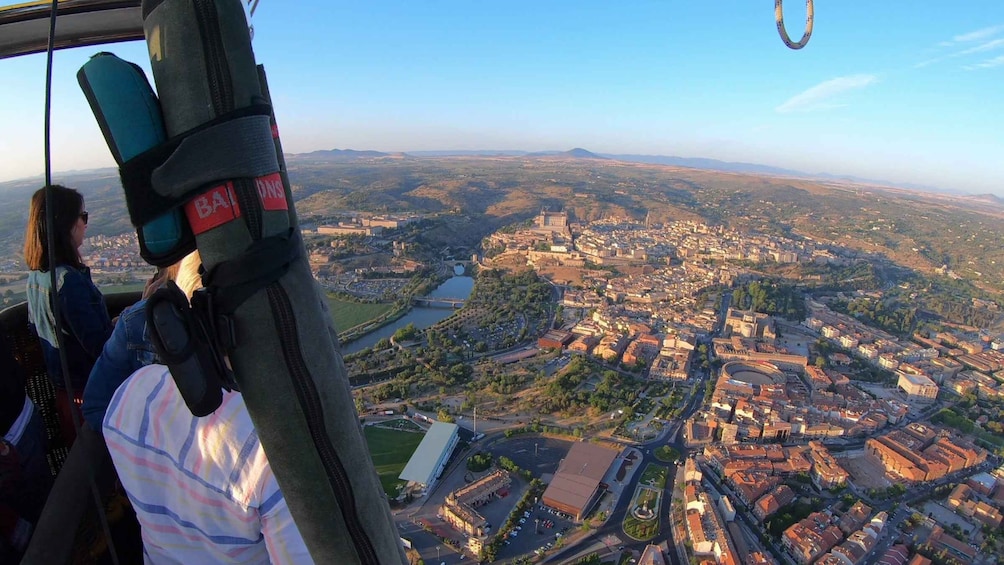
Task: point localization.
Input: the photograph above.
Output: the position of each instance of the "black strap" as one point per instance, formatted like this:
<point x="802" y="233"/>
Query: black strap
<point x="142" y="200"/>
<point x="265" y="261"/>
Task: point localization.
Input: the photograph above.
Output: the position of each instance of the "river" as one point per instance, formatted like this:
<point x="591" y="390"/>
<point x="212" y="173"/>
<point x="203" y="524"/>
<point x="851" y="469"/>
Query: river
<point x="455" y="287"/>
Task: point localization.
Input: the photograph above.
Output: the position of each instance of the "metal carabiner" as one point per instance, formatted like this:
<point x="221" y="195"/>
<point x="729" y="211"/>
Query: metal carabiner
<point x="779" y="17"/>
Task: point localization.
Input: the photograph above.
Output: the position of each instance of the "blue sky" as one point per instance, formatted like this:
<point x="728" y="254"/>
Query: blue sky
<point x="909" y="91"/>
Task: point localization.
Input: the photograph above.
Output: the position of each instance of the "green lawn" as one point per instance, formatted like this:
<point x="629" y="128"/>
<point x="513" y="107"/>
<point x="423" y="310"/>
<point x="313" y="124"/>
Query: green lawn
<point x="654" y="476"/>
<point x="666" y="454"/>
<point x="390" y="450"/>
<point x="350" y="314"/>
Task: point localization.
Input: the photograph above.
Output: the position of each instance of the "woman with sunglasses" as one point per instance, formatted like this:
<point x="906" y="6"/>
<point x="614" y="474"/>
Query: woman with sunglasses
<point x="84" y="317"/>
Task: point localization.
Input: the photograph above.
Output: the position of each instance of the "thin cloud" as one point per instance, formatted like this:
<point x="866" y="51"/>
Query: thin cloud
<point x="923" y="64"/>
<point x="820" y="97"/>
<point x="988" y="64"/>
<point x="988" y="46"/>
<point x="967" y="38"/>
<point x="978" y="34"/>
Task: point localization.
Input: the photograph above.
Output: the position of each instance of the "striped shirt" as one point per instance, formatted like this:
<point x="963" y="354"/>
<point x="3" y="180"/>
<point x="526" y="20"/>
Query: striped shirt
<point x="202" y="488"/>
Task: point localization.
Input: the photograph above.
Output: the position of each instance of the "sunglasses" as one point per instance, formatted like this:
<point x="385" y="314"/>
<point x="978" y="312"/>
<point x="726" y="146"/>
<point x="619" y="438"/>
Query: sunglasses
<point x="83" y="216"/>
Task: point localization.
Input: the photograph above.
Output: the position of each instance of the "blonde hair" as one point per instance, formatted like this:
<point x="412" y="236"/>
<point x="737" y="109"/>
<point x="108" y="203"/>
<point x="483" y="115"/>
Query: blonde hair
<point x="188" y="278"/>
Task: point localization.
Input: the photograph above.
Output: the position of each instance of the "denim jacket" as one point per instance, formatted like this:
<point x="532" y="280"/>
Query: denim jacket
<point x="126" y="351"/>
<point x="85" y="321"/>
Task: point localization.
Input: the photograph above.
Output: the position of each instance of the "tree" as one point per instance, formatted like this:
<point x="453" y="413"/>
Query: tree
<point x="479" y="462"/>
<point x="444" y="416"/>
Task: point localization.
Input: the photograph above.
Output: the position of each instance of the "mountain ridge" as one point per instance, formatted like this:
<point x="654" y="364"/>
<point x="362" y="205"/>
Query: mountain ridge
<point x="703" y="163"/>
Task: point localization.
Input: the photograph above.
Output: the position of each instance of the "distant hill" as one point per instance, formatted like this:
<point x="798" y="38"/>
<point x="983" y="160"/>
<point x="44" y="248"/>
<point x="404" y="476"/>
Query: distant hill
<point x="740" y="167"/>
<point x="577" y="153"/>
<point x="469" y="153"/>
<point x="707" y="164"/>
<point x="341" y="155"/>
<point x="988" y="198"/>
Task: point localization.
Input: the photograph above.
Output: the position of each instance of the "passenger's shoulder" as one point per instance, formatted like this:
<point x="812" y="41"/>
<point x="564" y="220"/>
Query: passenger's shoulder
<point x="68" y="276"/>
<point x="134" y="311"/>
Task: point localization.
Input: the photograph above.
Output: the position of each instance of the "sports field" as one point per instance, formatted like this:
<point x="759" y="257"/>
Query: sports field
<point x="348" y="314"/>
<point x="390" y="450"/>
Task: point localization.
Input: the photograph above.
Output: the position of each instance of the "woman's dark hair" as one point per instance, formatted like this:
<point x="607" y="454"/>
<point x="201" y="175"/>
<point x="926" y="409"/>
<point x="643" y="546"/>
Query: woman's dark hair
<point x="67" y="204"/>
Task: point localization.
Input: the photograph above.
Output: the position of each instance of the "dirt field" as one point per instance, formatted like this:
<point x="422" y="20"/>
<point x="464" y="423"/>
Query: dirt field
<point x="562" y="275"/>
<point x="865" y="473"/>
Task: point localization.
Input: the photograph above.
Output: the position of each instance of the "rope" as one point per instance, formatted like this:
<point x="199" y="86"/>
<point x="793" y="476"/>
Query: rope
<point x="50" y="233"/>
<point x="779" y="18"/>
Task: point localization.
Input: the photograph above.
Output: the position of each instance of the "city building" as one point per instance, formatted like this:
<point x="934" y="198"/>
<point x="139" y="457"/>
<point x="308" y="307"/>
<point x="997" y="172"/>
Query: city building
<point x="826" y="471"/>
<point x="576" y="484"/>
<point x="551" y="222"/>
<point x="941" y="540"/>
<point x="555" y="339"/>
<point x="652" y="556"/>
<point x="773" y="501"/>
<point x="458" y="510"/>
<point x="917" y="386"/>
<point x="749" y="324"/>
<point x="431" y="456"/>
<point x="810" y="538"/>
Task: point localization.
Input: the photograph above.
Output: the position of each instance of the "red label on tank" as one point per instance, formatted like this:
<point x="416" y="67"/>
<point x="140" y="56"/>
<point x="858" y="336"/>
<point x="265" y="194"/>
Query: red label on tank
<point x="271" y="192"/>
<point x="275" y="131"/>
<point x="213" y="208"/>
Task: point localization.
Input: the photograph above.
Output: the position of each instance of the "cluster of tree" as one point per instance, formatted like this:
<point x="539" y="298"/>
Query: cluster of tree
<point x="953" y="419"/>
<point x="522" y="292"/>
<point x="406" y="333"/>
<point x="479" y="462"/>
<point x="562" y="393"/>
<point x="890" y="315"/>
<point x="505" y="383"/>
<point x="895" y="491"/>
<point x="960" y="313"/>
<point x="538" y="428"/>
<point x="395" y="388"/>
<point x="770" y="298"/>
<point x="790" y="514"/>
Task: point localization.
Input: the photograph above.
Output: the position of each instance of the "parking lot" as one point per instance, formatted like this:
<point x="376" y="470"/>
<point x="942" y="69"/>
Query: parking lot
<point x="539" y="531"/>
<point x="539" y="455"/>
<point x="497" y="511"/>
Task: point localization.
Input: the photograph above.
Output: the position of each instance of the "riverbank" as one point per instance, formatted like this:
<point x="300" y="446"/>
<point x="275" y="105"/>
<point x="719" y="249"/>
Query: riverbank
<point x="422" y="317"/>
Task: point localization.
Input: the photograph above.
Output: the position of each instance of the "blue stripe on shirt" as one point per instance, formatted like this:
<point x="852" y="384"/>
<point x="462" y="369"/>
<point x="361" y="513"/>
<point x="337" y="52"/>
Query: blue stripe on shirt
<point x="164" y="511"/>
<point x="250" y="444"/>
<point x="145" y="424"/>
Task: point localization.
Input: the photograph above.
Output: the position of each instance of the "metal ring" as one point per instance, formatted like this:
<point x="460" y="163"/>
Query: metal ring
<point x="779" y="17"/>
